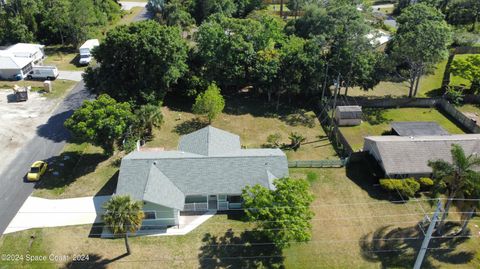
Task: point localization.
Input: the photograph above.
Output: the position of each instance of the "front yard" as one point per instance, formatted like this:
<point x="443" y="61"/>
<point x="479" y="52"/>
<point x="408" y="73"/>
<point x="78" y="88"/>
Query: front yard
<point x="377" y="121"/>
<point x="350" y="210"/>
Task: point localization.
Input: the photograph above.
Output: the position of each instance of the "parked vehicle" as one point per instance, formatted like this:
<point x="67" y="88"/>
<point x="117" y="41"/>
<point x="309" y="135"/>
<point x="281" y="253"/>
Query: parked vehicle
<point x="43" y="72"/>
<point x="37" y="170"/>
<point x="86" y="51"/>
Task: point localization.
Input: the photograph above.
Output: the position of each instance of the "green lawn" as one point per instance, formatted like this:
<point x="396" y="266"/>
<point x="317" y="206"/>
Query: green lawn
<point x="80" y="170"/>
<point x="472" y="108"/>
<point x="64" y="58"/>
<point x="377" y="121"/>
<point x="349" y="207"/>
<point x="428" y="84"/>
<point x="254" y="123"/>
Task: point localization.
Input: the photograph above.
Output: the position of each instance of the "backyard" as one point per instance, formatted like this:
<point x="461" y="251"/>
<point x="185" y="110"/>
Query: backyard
<point x="83" y="170"/>
<point x="377" y="121"/>
<point x="428" y="84"/>
<point x="350" y="211"/>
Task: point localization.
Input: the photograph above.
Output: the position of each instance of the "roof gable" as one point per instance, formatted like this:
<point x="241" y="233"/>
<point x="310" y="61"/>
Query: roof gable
<point x="209" y="141"/>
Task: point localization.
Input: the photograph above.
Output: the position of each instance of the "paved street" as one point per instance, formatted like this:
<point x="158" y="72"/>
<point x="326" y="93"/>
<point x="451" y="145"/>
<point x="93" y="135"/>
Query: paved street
<point x="144" y="15"/>
<point x="48" y="142"/>
<point x="70" y="75"/>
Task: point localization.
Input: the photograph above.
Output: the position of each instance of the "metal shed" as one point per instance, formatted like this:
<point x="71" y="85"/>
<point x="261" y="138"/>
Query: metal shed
<point x="348" y="115"/>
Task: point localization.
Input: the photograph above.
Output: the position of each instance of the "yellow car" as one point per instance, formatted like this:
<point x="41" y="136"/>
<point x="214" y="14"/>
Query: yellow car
<point x="37" y="170"/>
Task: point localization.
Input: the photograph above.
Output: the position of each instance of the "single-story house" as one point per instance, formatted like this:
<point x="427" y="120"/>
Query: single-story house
<point x="417" y="128"/>
<point x="17" y="60"/>
<point x="13" y="68"/>
<point x="379" y="38"/>
<point x="348" y="115"/>
<point x="408" y="156"/>
<point x="207" y="172"/>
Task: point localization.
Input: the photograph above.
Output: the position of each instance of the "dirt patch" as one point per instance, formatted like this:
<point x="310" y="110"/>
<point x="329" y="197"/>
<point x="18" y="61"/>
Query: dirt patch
<point x="473" y="116"/>
<point x="19" y="121"/>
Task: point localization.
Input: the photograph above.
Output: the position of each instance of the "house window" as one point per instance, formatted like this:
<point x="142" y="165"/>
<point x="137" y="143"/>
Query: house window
<point x="222" y="197"/>
<point x="150" y="215"/>
<point x="234" y="198"/>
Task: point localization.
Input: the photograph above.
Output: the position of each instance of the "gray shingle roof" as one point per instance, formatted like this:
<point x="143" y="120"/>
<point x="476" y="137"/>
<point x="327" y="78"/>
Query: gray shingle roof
<point x="209" y="141"/>
<point x="419" y="128"/>
<point x="410" y="155"/>
<point x="349" y="112"/>
<point x="227" y="171"/>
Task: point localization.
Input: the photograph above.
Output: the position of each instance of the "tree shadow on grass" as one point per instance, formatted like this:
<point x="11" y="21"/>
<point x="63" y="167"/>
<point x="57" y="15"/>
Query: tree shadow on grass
<point x="66" y="168"/>
<point x="435" y="93"/>
<point x="397" y="247"/>
<point x="109" y="187"/>
<point x="190" y="126"/>
<point x="375" y="116"/>
<point x="95" y="261"/>
<point x="365" y="172"/>
<point x="225" y="251"/>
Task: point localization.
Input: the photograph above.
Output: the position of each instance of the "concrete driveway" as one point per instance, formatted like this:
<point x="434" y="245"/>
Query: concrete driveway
<point x="70" y="75"/>
<point x="39" y="212"/>
<point x="129" y="5"/>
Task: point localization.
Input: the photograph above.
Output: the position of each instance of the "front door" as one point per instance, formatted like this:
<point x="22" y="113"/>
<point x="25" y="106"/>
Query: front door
<point x="212" y="202"/>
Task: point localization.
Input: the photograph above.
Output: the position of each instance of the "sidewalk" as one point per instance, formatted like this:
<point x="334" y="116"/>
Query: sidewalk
<point x="39" y="212"/>
<point x="129" y="5"/>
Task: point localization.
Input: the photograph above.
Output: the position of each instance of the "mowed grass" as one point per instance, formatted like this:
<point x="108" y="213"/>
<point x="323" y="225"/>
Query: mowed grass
<point x="80" y="170"/>
<point x="351" y="210"/>
<point x="349" y="207"/>
<point x="377" y="121"/>
<point x="63" y="57"/>
<point x="253" y="125"/>
<point x="429" y="84"/>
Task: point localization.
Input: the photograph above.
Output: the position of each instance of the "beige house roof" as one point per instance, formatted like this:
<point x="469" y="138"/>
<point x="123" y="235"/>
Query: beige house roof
<point x="401" y="155"/>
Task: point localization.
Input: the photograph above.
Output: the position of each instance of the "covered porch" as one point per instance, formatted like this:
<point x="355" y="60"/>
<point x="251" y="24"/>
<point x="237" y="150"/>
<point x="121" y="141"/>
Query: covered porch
<point x="212" y="202"/>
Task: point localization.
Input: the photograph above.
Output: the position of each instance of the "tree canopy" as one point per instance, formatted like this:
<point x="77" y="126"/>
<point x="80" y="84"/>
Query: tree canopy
<point x="55" y="21"/>
<point x="421" y="41"/>
<point x="457" y="179"/>
<point x="138" y="62"/>
<point x="468" y="68"/>
<point x="283" y="214"/>
<point x="209" y="103"/>
<point x="101" y="122"/>
<point x="123" y="215"/>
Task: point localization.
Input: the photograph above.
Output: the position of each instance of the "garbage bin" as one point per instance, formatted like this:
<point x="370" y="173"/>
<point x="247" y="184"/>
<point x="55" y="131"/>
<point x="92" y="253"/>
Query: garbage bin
<point x="47" y="85"/>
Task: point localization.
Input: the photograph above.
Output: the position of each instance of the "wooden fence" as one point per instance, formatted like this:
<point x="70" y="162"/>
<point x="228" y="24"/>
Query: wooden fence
<point x="318" y="163"/>
<point x="464" y="121"/>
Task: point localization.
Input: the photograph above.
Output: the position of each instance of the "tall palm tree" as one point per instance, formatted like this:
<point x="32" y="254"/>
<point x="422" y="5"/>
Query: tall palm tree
<point x="148" y="116"/>
<point x="456" y="179"/>
<point x="123" y="215"/>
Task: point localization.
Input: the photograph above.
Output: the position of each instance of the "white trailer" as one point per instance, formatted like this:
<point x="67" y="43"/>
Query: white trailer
<point x="86" y="51"/>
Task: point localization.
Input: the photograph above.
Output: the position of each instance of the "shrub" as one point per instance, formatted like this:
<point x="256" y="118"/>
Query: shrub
<point x="273" y="140"/>
<point x="410" y="187"/>
<point x="425" y="183"/>
<point x="407" y="187"/>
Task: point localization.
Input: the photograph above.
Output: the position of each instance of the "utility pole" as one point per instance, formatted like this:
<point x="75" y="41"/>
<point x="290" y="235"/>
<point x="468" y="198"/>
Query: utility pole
<point x="324" y="82"/>
<point x="337" y="86"/>
<point x="428" y="236"/>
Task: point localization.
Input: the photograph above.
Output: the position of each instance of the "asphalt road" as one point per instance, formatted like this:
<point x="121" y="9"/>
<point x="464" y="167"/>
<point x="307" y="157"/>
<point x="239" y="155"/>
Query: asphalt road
<point x="47" y="143"/>
<point x="143" y="15"/>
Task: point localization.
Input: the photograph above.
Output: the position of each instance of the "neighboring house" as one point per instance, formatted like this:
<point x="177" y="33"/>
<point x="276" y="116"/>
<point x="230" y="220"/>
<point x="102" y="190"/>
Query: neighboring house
<point x="207" y="172"/>
<point x="408" y="156"/>
<point x="13" y="68"/>
<point x="17" y="60"/>
<point x="417" y="128"/>
<point x="379" y="38"/>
